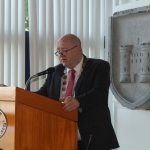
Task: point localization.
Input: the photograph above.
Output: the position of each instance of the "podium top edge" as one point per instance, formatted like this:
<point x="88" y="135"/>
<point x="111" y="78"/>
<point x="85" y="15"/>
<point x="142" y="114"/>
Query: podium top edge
<point x="7" y="93"/>
<point x="19" y="95"/>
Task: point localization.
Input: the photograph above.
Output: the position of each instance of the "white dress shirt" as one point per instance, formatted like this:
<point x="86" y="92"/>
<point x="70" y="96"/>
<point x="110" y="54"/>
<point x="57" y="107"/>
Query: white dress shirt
<point x="77" y="68"/>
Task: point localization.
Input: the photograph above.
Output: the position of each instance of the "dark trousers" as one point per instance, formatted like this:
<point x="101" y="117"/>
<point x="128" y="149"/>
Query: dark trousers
<point x="80" y="145"/>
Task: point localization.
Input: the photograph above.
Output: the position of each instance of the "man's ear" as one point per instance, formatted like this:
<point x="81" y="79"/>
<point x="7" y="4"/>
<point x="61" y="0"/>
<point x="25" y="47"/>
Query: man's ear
<point x="79" y="50"/>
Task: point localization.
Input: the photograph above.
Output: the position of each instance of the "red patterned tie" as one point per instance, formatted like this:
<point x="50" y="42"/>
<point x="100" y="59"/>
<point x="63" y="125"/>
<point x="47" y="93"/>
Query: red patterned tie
<point x="70" y="84"/>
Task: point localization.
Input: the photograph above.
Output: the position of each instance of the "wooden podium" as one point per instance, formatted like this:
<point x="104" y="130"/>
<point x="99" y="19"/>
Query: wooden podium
<point x="35" y="122"/>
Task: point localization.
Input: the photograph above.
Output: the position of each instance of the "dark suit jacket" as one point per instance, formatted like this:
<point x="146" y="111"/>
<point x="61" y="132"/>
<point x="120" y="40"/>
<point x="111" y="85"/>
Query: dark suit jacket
<point x="92" y="93"/>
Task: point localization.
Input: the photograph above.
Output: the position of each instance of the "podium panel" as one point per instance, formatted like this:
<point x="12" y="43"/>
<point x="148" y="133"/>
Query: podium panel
<point x="35" y="122"/>
<point x="7" y="139"/>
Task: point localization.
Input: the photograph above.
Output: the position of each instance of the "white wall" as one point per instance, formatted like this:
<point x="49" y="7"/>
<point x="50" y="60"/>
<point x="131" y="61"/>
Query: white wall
<point x="132" y="126"/>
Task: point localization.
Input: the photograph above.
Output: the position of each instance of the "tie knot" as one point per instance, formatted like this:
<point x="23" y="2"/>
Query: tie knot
<point x="72" y="71"/>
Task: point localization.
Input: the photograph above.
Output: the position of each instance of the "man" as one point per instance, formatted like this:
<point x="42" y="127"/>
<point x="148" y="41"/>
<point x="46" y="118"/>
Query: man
<point x="89" y="93"/>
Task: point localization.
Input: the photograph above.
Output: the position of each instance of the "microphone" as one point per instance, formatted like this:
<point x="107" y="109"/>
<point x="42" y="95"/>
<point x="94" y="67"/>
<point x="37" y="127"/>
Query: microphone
<point x="90" y="141"/>
<point x="48" y="71"/>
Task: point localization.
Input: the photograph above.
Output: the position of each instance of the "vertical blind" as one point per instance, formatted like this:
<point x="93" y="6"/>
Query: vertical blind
<point x="51" y="19"/>
<point x="12" y="42"/>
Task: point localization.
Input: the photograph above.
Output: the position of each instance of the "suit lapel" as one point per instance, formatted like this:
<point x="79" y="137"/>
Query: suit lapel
<point x="57" y="85"/>
<point x="83" y="74"/>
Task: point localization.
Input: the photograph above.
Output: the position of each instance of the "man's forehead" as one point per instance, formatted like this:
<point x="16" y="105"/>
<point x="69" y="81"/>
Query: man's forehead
<point x="64" y="40"/>
<point x="62" y="43"/>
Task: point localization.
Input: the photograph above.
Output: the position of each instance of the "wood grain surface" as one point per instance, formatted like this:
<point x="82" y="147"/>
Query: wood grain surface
<point x="36" y="122"/>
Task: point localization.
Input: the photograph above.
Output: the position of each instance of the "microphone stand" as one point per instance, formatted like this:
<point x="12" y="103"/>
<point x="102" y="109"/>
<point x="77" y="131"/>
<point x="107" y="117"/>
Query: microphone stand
<point x="49" y="70"/>
<point x="28" y="81"/>
<point x="90" y="141"/>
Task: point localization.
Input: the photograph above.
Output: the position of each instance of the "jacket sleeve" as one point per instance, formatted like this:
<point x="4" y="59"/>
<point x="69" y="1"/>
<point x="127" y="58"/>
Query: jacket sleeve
<point x="43" y="90"/>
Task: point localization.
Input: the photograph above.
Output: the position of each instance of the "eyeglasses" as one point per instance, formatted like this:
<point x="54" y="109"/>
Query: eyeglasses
<point x="64" y="52"/>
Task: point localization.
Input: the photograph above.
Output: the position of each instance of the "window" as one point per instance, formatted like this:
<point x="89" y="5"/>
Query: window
<point x="26" y="16"/>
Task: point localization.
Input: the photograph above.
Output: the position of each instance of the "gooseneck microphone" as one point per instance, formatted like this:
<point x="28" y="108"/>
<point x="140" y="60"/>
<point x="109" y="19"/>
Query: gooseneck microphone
<point x="48" y="71"/>
<point x="90" y="141"/>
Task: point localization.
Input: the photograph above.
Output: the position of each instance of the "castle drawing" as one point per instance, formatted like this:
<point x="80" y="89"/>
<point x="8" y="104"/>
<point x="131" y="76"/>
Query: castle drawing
<point x="135" y="66"/>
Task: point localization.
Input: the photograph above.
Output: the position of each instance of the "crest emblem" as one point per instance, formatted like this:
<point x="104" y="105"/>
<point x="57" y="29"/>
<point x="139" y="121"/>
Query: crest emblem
<point x="3" y="123"/>
<point x="130" y="58"/>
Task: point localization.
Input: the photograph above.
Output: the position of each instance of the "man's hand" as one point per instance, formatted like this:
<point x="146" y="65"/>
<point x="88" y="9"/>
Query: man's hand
<point x="70" y="104"/>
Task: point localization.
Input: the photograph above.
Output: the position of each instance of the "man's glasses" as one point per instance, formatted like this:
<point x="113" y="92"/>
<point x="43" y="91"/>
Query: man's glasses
<point x="64" y="52"/>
